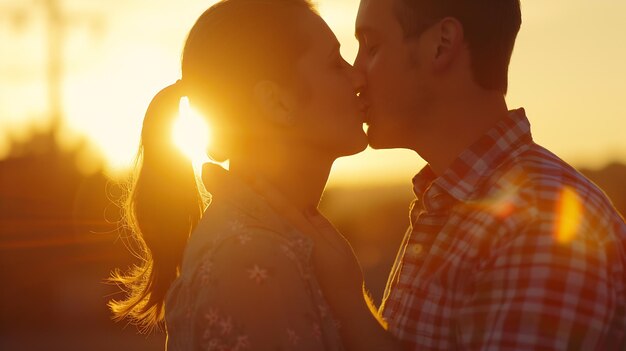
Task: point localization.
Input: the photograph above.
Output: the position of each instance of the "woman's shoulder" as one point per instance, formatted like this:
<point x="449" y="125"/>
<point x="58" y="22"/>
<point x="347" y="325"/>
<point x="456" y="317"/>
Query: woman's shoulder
<point x="227" y="234"/>
<point x="247" y="252"/>
<point x="223" y="225"/>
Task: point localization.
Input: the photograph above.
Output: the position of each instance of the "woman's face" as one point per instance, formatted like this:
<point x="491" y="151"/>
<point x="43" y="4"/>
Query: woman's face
<point x="329" y="115"/>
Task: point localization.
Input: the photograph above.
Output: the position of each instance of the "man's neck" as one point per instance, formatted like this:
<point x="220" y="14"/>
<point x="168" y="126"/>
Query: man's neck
<point x="460" y="123"/>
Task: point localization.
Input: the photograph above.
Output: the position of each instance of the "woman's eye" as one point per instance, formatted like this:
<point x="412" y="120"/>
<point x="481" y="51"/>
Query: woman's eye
<point x="339" y="62"/>
<point x="372" y="49"/>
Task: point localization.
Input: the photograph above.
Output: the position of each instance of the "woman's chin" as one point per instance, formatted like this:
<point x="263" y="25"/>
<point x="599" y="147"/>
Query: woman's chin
<point x="356" y="145"/>
<point x="378" y="140"/>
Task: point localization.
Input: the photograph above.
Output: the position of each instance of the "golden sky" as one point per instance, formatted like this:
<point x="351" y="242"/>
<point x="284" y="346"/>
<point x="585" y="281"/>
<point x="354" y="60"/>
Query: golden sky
<point x="568" y="71"/>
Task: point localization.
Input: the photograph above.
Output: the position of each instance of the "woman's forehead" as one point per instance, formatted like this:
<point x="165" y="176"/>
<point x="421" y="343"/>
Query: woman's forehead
<point x="321" y="37"/>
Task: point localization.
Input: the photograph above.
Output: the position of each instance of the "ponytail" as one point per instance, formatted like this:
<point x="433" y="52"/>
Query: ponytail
<point x="162" y="208"/>
<point x="233" y="45"/>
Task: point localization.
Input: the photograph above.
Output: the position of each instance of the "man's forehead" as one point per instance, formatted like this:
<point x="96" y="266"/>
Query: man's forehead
<point x="377" y="5"/>
<point x="372" y="13"/>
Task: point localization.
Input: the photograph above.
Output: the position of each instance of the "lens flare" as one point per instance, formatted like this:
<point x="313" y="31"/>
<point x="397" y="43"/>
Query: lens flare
<point x="191" y="134"/>
<point x="501" y="203"/>
<point x="569" y="212"/>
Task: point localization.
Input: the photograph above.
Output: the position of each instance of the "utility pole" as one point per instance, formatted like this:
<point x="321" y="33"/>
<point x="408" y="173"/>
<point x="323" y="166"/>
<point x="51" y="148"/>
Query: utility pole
<point x="55" y="64"/>
<point x="57" y="21"/>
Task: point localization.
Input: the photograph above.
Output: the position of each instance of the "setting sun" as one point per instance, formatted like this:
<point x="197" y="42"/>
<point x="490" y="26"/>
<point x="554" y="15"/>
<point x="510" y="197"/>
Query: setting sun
<point x="191" y="134"/>
<point x="106" y="88"/>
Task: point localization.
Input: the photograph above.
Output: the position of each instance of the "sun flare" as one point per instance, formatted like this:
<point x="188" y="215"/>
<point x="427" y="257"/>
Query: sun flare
<point x="191" y="134"/>
<point x="570" y="215"/>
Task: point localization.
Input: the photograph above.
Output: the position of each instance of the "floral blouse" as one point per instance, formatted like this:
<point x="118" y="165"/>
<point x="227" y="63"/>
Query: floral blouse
<point x="247" y="280"/>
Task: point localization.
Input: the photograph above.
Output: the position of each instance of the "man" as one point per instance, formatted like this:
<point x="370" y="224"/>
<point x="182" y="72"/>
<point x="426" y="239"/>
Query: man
<point x="509" y="247"/>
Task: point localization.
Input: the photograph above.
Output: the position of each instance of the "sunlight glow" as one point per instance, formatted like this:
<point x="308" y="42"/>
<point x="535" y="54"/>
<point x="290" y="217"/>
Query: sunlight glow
<point x="109" y="79"/>
<point x="501" y="204"/>
<point x="191" y="134"/>
<point x="569" y="215"/>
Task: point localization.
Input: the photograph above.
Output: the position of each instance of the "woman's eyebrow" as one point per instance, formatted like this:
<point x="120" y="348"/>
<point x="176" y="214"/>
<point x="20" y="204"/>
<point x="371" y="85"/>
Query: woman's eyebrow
<point x="335" y="48"/>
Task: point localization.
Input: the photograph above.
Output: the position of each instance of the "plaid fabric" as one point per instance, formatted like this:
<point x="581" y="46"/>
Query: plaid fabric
<point x="509" y="249"/>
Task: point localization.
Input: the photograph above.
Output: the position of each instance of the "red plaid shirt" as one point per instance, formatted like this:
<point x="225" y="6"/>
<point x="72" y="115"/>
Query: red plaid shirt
<point x="509" y="249"/>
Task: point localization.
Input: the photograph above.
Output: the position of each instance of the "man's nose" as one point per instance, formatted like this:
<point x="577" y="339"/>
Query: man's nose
<point x="359" y="62"/>
<point x="359" y="80"/>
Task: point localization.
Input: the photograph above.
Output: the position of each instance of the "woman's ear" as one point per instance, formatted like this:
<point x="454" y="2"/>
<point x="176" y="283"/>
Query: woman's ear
<point x="274" y="103"/>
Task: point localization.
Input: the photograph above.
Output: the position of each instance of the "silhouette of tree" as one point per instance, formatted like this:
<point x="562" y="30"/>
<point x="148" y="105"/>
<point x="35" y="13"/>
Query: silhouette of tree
<point x="58" y="242"/>
<point x="611" y="179"/>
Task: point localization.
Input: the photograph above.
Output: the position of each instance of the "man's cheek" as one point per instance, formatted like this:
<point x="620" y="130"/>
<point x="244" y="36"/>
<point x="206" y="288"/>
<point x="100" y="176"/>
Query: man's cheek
<point x="379" y="74"/>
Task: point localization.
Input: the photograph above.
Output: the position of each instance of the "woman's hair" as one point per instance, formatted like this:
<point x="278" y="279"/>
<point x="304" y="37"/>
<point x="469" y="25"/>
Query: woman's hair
<point x="233" y="45"/>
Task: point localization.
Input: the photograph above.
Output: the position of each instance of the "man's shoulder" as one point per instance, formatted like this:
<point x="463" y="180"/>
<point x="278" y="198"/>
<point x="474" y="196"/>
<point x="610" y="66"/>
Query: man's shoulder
<point x="547" y="185"/>
<point x="539" y="172"/>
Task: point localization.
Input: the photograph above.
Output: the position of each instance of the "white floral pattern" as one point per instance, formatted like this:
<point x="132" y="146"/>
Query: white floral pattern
<point x="247" y="282"/>
<point x="220" y="334"/>
<point x="257" y="274"/>
<point x="317" y="331"/>
<point x="211" y="317"/>
<point x="294" y="339"/>
<point x="236" y="226"/>
<point x="205" y="271"/>
<point x="244" y="238"/>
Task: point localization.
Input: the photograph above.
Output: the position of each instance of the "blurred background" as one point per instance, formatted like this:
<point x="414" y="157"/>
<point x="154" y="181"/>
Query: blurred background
<point x="77" y="75"/>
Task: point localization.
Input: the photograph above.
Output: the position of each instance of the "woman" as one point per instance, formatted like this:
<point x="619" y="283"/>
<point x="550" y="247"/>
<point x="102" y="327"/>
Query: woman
<point x="283" y="105"/>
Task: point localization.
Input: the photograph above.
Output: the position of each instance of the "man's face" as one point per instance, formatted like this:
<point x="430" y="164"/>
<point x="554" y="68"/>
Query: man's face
<point x="396" y="71"/>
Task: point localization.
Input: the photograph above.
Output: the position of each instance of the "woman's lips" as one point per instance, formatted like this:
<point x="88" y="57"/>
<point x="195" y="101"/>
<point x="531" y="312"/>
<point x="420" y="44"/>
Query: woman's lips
<point x="366" y="114"/>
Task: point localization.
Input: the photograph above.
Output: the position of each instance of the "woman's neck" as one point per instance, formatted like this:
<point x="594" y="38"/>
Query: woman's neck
<point x="299" y="176"/>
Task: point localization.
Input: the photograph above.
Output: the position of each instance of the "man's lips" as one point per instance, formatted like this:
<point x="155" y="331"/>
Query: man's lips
<point x="364" y="108"/>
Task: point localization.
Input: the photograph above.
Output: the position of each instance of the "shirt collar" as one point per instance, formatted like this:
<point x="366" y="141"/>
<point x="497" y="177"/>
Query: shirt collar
<point x="476" y="163"/>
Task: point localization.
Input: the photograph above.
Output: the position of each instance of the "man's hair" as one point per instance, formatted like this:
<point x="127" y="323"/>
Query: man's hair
<point x="490" y="27"/>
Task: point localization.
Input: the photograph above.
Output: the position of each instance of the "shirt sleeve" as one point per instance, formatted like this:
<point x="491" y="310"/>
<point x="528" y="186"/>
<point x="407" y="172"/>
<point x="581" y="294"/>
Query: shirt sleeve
<point x="543" y="289"/>
<point x="253" y="296"/>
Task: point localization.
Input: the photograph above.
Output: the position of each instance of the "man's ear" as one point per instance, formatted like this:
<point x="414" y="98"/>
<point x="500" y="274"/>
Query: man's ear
<point x="450" y="41"/>
<point x="274" y="103"/>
